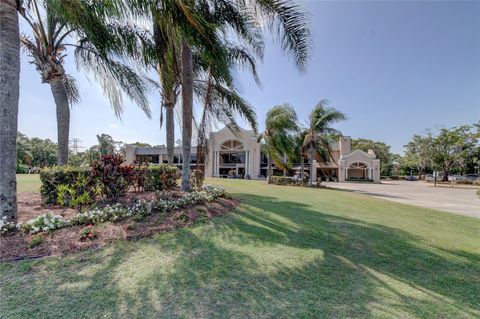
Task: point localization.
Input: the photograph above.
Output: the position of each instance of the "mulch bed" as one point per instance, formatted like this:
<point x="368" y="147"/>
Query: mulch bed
<point x="16" y="246"/>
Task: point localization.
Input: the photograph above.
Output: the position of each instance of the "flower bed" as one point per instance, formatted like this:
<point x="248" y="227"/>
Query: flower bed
<point x="51" y="234"/>
<point x="116" y="212"/>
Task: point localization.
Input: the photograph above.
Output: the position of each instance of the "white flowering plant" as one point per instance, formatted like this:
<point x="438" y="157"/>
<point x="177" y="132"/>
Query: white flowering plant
<point x="6" y="226"/>
<point x="46" y="223"/>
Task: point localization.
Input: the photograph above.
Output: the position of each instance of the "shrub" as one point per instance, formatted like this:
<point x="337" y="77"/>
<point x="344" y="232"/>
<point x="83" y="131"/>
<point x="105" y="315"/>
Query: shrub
<point x="113" y="177"/>
<point x="37" y="240"/>
<point x="52" y="178"/>
<point x="137" y="174"/>
<point x="284" y="180"/>
<point x="196" y="178"/>
<point x="22" y="169"/>
<point x="161" y="178"/>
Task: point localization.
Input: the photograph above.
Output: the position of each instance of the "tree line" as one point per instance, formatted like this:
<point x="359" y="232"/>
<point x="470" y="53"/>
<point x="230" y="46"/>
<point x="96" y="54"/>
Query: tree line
<point x="450" y="151"/>
<point x="192" y="45"/>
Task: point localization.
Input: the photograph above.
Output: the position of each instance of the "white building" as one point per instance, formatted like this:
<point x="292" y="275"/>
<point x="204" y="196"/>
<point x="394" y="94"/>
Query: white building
<point x="240" y="154"/>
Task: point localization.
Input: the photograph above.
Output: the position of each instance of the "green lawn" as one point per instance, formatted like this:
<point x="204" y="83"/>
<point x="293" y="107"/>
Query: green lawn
<point x="28" y="183"/>
<point x="286" y="252"/>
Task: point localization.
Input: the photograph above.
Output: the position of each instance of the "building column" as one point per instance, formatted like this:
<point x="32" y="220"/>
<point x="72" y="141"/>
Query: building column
<point x="247" y="164"/>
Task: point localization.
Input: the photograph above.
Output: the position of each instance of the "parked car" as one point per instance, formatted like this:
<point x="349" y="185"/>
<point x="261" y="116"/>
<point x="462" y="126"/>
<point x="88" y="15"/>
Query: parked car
<point x="429" y="178"/>
<point x="456" y="178"/>
<point x="411" y="178"/>
<point x="472" y="177"/>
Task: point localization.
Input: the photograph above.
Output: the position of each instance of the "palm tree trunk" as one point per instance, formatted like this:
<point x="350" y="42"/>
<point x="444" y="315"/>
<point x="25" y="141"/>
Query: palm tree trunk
<point x="170" y="124"/>
<point x="9" y="95"/>
<point x="310" y="159"/>
<point x="63" y="119"/>
<point x="269" y="167"/>
<point x="302" y="167"/>
<point x="187" y="113"/>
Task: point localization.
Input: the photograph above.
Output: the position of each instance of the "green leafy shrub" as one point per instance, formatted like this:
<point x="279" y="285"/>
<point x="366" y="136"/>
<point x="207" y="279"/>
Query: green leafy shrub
<point x="22" y="169"/>
<point x="37" y="240"/>
<point x="113" y="176"/>
<point x="284" y="180"/>
<point x="161" y="178"/>
<point x="78" y="178"/>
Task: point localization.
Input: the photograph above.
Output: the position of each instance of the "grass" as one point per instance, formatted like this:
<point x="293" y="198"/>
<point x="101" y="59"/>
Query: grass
<point x="285" y="252"/>
<point x="27" y="183"/>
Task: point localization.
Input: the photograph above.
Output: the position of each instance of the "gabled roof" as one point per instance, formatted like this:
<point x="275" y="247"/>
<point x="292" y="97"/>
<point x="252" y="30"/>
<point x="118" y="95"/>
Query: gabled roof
<point x="359" y="153"/>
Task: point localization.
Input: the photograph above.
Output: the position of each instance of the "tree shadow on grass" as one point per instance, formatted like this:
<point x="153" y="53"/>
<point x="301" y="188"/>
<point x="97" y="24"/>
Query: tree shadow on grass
<point x="272" y="259"/>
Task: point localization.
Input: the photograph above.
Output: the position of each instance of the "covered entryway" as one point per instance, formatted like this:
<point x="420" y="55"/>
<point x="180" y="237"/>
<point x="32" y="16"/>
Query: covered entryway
<point x="232" y="159"/>
<point x="359" y="171"/>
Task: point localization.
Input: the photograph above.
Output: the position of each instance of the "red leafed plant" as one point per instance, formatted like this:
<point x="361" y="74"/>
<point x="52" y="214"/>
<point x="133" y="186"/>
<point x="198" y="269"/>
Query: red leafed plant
<point x="113" y="176"/>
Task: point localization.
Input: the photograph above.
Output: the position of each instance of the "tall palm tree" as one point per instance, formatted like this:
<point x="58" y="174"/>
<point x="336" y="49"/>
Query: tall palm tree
<point x="278" y="137"/>
<point x="9" y="95"/>
<point x="50" y="38"/>
<point x="284" y="17"/>
<point x="320" y="134"/>
<point x="190" y="19"/>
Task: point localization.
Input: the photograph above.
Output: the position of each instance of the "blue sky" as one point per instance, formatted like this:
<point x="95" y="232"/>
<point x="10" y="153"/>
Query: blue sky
<point x="395" y="69"/>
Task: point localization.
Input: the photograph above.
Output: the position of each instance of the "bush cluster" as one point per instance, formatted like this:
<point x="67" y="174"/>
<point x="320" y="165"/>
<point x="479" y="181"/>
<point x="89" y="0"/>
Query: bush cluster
<point x="161" y="178"/>
<point x="109" y="177"/>
<point x="52" y="178"/>
<point x="283" y="180"/>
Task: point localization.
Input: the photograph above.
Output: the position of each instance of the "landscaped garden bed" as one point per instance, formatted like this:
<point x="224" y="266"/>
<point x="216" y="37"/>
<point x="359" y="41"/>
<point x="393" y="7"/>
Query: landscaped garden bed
<point x="81" y="209"/>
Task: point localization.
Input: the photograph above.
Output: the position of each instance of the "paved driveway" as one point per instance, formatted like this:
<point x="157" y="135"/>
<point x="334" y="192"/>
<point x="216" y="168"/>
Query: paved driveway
<point x="456" y="200"/>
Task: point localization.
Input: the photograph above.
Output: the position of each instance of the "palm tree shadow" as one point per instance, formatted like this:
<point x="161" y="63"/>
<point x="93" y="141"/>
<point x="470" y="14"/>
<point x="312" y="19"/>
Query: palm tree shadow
<point x="219" y="271"/>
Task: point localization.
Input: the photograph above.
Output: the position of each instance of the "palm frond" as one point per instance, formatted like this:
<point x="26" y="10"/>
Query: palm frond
<point x="72" y="89"/>
<point x="114" y="77"/>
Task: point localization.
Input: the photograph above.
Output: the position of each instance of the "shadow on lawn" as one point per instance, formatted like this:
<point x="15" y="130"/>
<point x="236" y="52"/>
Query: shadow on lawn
<point x="204" y="279"/>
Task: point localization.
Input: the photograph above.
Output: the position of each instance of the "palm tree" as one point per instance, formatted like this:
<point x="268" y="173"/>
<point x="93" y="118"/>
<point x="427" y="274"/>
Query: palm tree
<point x="106" y="144"/>
<point x="320" y="134"/>
<point x="9" y="95"/>
<point x="280" y="128"/>
<point x="191" y="22"/>
<point x="284" y="17"/>
<point x="299" y="152"/>
<point x="47" y="47"/>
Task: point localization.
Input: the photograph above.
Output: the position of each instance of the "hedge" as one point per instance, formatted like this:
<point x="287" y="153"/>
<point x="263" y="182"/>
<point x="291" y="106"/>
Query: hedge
<point x="283" y="180"/>
<point x="161" y="178"/>
<point x="53" y="177"/>
<point x="157" y="178"/>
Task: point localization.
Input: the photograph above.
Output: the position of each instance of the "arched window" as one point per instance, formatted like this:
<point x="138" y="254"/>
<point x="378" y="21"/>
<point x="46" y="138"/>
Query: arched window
<point x="358" y="165"/>
<point x="231" y="145"/>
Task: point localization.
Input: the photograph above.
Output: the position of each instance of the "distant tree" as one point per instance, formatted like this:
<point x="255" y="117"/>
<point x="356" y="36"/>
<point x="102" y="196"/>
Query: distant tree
<point x="419" y="153"/>
<point x="381" y="150"/>
<point x="452" y="147"/>
<point x="36" y="151"/>
<point x="106" y="144"/>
